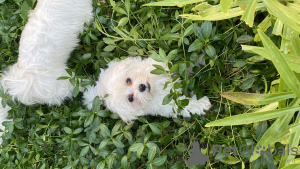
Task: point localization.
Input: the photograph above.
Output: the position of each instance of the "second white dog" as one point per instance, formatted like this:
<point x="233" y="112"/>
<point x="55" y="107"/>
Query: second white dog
<point x="47" y="40"/>
<point x="133" y="91"/>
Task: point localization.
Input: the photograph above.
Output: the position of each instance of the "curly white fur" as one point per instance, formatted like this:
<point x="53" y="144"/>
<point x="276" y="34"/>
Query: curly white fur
<point x="46" y="42"/>
<point x="114" y="82"/>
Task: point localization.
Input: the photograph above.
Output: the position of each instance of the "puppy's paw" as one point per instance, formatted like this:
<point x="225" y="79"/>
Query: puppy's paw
<point x="196" y="106"/>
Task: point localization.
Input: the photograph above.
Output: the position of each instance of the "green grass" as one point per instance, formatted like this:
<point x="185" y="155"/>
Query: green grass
<point x="70" y="136"/>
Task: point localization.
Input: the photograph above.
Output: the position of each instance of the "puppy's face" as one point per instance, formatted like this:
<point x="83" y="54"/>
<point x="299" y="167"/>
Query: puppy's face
<point x="137" y="88"/>
<point x="129" y="84"/>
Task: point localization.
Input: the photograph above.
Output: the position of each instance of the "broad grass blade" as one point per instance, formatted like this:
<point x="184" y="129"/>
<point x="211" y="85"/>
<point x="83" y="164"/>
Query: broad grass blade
<point x="287" y="15"/>
<point x="233" y="12"/>
<point x="276" y="130"/>
<point x="179" y="3"/>
<point x="252" y="117"/>
<point x="295" y="164"/>
<point x="257" y="99"/>
<point x="225" y="5"/>
<point x="292" y="60"/>
<point x="248" y="15"/>
<point x="293" y="142"/>
<point x="281" y="65"/>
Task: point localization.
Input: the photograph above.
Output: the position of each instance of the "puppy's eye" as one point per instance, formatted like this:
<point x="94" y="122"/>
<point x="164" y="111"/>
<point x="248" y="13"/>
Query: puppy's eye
<point x="130" y="98"/>
<point x="128" y="81"/>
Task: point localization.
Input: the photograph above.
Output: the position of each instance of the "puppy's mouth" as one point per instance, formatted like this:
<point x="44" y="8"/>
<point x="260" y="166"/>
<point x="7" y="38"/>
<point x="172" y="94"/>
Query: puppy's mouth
<point x="149" y="87"/>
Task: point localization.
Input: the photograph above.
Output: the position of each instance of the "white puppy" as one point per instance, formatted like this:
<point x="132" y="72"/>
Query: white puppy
<point x="46" y="42"/>
<point x="133" y="91"/>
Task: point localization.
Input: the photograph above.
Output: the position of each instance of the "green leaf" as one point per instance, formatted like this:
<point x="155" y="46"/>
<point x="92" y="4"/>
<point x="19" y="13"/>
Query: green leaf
<point x="121" y="33"/>
<point x="25" y="11"/>
<point x="143" y="119"/>
<point x="217" y="14"/>
<point x="293" y="142"/>
<point x="127" y="6"/>
<point x="123" y="21"/>
<point x="295" y="46"/>
<point x="239" y="63"/>
<point x="103" y="144"/>
<point x="252" y="117"/>
<point x="177" y="85"/>
<point x="152" y="152"/>
<point x="68" y="130"/>
<point x="230" y="160"/>
<point x="294" y="165"/>
<point x="160" y="160"/>
<point x="244" y="39"/>
<point x="109" y="48"/>
<point x="135" y="146"/>
<point x="39" y="112"/>
<point x="86" y="56"/>
<point x="261" y="129"/>
<point x="158" y="72"/>
<point x="158" y="58"/>
<point x="75" y="91"/>
<point x="89" y="120"/>
<point x="77" y="131"/>
<point x="196" y="45"/>
<point x="154" y="129"/>
<point x="140" y="151"/>
<point x="120" y="10"/>
<point x="96" y="104"/>
<point x="162" y="53"/>
<point x="292" y="60"/>
<point x="188" y="31"/>
<point x="115" y="128"/>
<point x="172" y="54"/>
<point x="84" y="151"/>
<point x="184" y="102"/>
<point x="210" y="51"/>
<point x="101" y="165"/>
<point x="176" y="28"/>
<point x="225" y="5"/>
<point x="124" y="162"/>
<point x="174" y="68"/>
<point x="63" y="78"/>
<point x="257" y="99"/>
<point x="170" y="36"/>
<point x="247" y="84"/>
<point x="167" y="99"/>
<point x="277" y="29"/>
<point x="206" y="29"/>
<point x="286" y="15"/>
<point x="117" y="143"/>
<point x="198" y="32"/>
<point x="248" y="15"/>
<point x="138" y="147"/>
<point x="104" y="130"/>
<point x="179" y="3"/>
<point x="281" y="65"/>
<point x="182" y="68"/>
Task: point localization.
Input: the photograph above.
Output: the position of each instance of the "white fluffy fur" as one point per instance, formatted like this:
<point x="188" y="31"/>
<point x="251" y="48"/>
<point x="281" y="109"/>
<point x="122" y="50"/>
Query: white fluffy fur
<point x="46" y="42"/>
<point x="3" y="115"/>
<point x="112" y="81"/>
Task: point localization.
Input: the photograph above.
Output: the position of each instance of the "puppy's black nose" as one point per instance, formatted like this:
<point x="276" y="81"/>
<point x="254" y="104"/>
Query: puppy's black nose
<point x="142" y="87"/>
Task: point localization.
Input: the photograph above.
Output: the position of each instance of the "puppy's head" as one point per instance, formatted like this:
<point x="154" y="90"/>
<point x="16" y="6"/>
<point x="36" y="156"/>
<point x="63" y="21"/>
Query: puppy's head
<point x="130" y="86"/>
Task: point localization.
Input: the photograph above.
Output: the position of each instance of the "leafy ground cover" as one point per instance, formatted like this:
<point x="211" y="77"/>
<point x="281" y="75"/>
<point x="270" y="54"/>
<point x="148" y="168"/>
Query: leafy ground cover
<point x="70" y="136"/>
